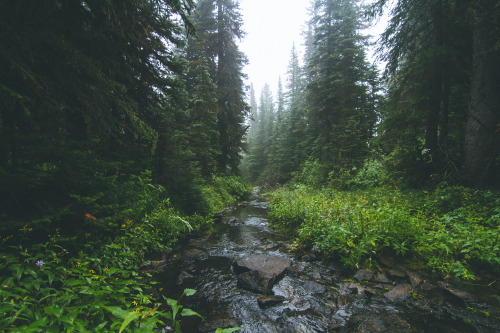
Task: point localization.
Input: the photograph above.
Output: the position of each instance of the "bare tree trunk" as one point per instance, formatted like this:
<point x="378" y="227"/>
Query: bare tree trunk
<point x="481" y="141"/>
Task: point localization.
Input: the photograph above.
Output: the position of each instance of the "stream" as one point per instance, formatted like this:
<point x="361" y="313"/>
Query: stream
<point x="313" y="295"/>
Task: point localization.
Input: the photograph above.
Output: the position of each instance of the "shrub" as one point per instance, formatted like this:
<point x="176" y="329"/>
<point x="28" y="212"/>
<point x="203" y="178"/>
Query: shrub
<point x="449" y="233"/>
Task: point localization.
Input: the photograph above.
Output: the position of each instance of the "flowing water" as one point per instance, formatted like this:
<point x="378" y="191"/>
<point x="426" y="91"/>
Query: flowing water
<point x="318" y="296"/>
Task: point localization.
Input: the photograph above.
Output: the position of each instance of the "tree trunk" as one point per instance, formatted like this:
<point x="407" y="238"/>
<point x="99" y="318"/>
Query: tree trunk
<point x="481" y="141"/>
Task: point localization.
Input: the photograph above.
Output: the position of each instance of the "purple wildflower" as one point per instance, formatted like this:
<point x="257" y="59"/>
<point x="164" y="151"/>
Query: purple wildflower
<point x="315" y="248"/>
<point x="40" y="263"/>
<point x="168" y="328"/>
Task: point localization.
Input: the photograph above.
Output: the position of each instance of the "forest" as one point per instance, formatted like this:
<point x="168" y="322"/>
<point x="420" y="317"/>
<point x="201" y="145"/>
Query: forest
<point x="126" y="126"/>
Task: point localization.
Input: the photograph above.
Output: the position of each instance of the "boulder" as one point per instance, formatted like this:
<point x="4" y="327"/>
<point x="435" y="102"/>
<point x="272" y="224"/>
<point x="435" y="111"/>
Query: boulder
<point x="415" y="279"/>
<point x="396" y="273"/>
<point x="382" y="278"/>
<point x="399" y="292"/>
<point x="312" y="287"/>
<point x="260" y="272"/>
<point x="363" y="275"/>
<point x="457" y="294"/>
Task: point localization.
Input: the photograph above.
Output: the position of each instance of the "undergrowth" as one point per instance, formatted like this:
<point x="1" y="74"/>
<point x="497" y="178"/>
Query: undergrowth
<point x="451" y="230"/>
<point x="89" y="279"/>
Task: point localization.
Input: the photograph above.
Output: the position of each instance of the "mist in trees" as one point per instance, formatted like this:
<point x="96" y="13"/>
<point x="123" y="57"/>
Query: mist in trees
<point x="93" y="93"/>
<point x="431" y="116"/>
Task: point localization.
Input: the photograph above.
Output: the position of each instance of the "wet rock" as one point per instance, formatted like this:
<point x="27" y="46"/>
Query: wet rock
<point x="362" y="324"/>
<point x="256" y="281"/>
<point x="260" y="272"/>
<point x="396" y="273"/>
<point x="460" y="295"/>
<point x="363" y="275"/>
<point x="382" y="278"/>
<point x="351" y="287"/>
<point x="269" y="265"/>
<point x="299" y="305"/>
<point x="296" y="268"/>
<point x="333" y="326"/>
<point x="232" y="220"/>
<point x="223" y="322"/>
<point x="316" y="276"/>
<point x="267" y="247"/>
<point x="399" y="292"/>
<point x="194" y="254"/>
<point x="387" y="261"/>
<point x="312" y="287"/>
<point x="373" y="324"/>
<point x="415" y="279"/>
<point x="370" y="291"/>
<point x="265" y="300"/>
<point x="309" y="257"/>
<point x="183" y="276"/>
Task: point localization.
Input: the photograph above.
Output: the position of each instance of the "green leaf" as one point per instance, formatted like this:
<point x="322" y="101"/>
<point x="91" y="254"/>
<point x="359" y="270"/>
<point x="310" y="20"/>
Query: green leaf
<point x="189" y="312"/>
<point x="130" y="317"/>
<point x="117" y="311"/>
<point x="228" y="330"/>
<point x="189" y="292"/>
<point x="101" y="326"/>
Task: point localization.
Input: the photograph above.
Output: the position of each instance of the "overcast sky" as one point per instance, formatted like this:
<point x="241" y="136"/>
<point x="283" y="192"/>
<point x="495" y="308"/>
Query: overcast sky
<point x="272" y="27"/>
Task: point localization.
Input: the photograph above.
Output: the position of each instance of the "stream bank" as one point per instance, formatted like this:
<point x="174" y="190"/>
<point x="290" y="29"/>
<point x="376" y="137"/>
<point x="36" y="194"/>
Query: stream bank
<point x="310" y="295"/>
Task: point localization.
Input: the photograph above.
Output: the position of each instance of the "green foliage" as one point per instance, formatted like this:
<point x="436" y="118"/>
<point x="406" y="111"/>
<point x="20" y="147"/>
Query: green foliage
<point x="178" y="310"/>
<point x="221" y="192"/>
<point x="44" y="290"/>
<point x="372" y="174"/>
<point x="312" y="173"/>
<point x="96" y="286"/>
<point x="451" y="230"/>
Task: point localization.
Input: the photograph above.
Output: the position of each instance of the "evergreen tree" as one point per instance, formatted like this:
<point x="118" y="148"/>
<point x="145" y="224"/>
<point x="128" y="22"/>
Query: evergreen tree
<point x="82" y="86"/>
<point x="430" y="54"/>
<point x="218" y="23"/>
<point x="293" y="144"/>
<point x="341" y="115"/>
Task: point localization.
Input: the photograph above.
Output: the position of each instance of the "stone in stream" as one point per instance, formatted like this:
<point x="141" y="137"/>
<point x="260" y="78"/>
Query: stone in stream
<point x="457" y="294"/>
<point x="260" y="272"/>
<point x="382" y="278"/>
<point x="415" y="279"/>
<point x="312" y="287"/>
<point x="399" y="293"/>
<point x="266" y="300"/>
<point x="363" y="275"/>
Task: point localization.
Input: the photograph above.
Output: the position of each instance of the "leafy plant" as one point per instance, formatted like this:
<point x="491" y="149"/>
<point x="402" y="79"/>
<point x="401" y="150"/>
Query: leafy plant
<point x="178" y="310"/>
<point x="450" y="230"/>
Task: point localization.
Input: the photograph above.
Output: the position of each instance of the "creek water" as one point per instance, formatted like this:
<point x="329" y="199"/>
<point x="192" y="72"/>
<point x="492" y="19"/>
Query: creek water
<point x="318" y="296"/>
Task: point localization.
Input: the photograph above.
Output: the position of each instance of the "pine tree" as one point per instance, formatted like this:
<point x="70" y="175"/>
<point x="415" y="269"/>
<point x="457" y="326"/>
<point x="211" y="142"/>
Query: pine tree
<point x="218" y="23"/>
<point x="430" y="54"/>
<point x="340" y="116"/>
<point x="82" y="85"/>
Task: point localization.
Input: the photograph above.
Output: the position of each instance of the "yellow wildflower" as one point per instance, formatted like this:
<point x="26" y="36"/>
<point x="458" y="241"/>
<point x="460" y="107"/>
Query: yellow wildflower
<point x="78" y="264"/>
<point x="135" y="303"/>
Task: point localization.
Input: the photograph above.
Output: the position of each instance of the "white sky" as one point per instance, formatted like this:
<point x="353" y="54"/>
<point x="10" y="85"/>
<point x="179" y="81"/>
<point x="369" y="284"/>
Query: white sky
<point x="272" y="27"/>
